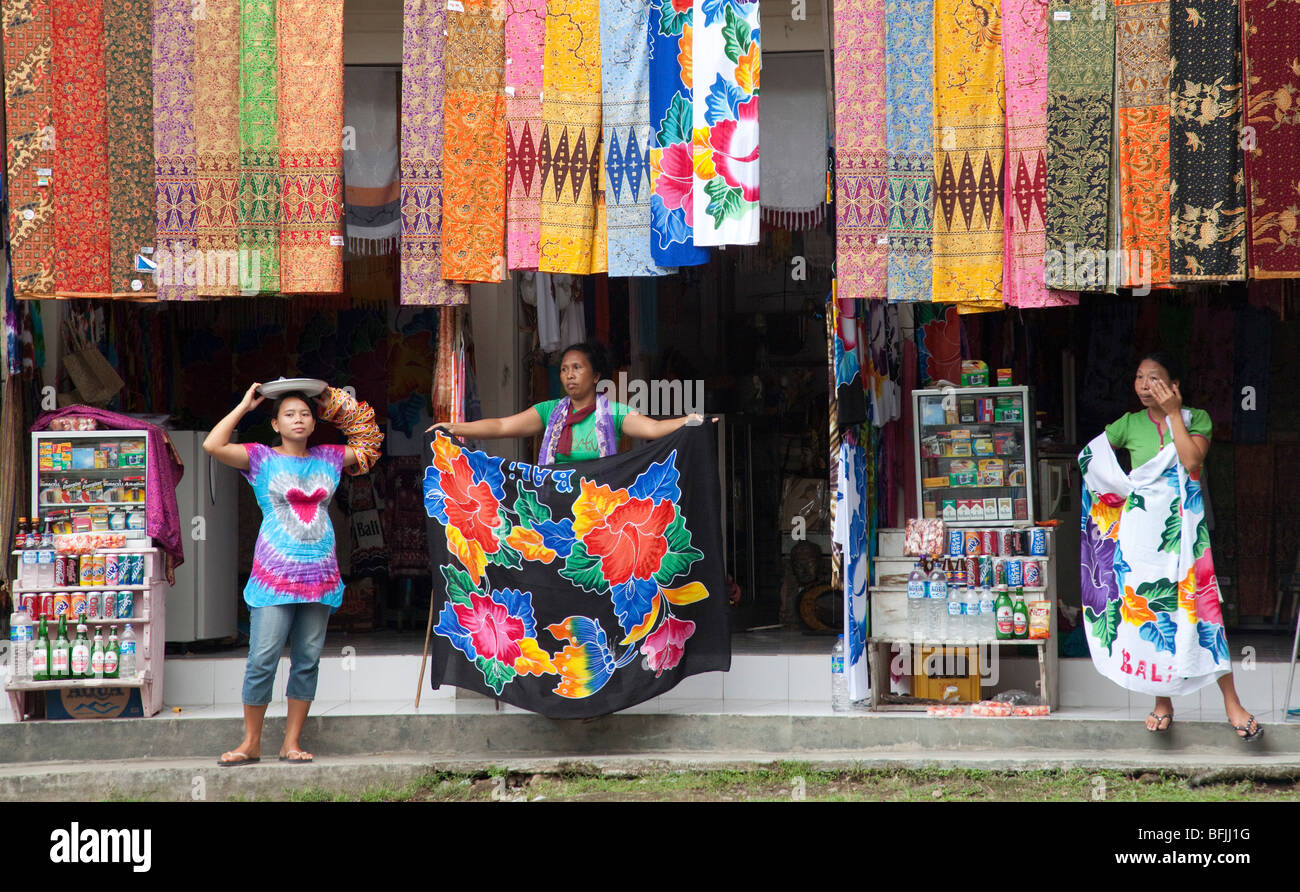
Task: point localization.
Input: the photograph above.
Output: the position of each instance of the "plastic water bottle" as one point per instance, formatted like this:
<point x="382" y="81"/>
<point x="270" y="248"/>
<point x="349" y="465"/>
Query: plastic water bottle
<point x="839" y="681"/>
<point x="915" y="601"/>
<point x="988" y="615"/>
<point x="937" y="605"/>
<point x="126" y="653"/>
<point x="973" y="616"/>
<point x="20" y="644"/>
<point x="956" y="628"/>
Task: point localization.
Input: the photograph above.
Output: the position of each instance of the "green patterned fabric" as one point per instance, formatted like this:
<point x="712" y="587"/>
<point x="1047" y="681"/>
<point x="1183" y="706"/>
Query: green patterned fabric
<point x="259" y="151"/>
<point x="1080" y="109"/>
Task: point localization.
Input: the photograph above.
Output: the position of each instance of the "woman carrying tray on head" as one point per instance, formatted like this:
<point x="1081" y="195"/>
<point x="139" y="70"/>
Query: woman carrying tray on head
<point x="1150" y="597"/>
<point x="295" y="584"/>
<point x="583" y="425"/>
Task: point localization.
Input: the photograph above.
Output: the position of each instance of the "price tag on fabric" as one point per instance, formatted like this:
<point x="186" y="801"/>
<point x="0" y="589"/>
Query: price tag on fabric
<point x="336" y="241"/>
<point x="455" y="6"/>
<point x="29" y="214"/>
<point x="510" y="91"/>
<point x="882" y="240"/>
<point x="1061" y="15"/>
<point x="45" y="171"/>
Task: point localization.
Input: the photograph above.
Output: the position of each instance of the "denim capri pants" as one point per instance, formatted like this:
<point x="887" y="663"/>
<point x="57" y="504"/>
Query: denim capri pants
<point x="303" y="626"/>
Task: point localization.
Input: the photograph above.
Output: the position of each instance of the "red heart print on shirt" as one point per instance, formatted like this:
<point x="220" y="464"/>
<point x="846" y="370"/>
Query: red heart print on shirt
<point x="305" y="505"/>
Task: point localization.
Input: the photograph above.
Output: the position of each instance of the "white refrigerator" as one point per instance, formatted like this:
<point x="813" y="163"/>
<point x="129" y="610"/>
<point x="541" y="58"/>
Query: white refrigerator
<point x="202" y="605"/>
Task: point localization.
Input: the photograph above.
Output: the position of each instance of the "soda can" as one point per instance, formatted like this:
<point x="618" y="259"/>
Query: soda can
<point x="86" y="572"/>
<point x="989" y="542"/>
<point x="93" y="602"/>
<point x="1007" y="537"/>
<point x="47" y="604"/>
<point x="1015" y="573"/>
<point x="61" y="604"/>
<point x="32" y="601"/>
<point x="972" y="542"/>
<point x="77" y="606"/>
<point x="111" y="570"/>
<point x="1038" y="542"/>
<point x="956" y="542"/>
<point x="99" y="569"/>
<point x="134" y="575"/>
<point x="109" y="606"/>
<point x="125" y="605"/>
<point x="1000" y="571"/>
<point x="60" y="570"/>
<point x="1033" y="574"/>
<point x="972" y="569"/>
<point x="986" y="572"/>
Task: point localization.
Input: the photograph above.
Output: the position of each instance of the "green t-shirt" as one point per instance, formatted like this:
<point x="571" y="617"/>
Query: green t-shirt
<point x="1137" y="433"/>
<point x="586" y="446"/>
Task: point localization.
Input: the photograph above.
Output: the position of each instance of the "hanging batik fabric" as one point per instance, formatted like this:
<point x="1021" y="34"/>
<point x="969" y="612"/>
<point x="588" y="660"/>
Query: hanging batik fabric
<point x="573" y="215"/>
<point x="525" y="43"/>
<point x="850" y="534"/>
<point x="1024" y="46"/>
<point x="217" y="141"/>
<point x="474" y="143"/>
<point x="1150" y="596"/>
<point x="128" y="66"/>
<point x="576" y="590"/>
<point x="625" y="120"/>
<point x="1207" y="193"/>
<point x="259" y="148"/>
<point x="175" y="153"/>
<point x="727" y="58"/>
<point x="309" y="70"/>
<point x="423" y="38"/>
<point x="1080" y="91"/>
<point x="847" y="344"/>
<point x="29" y="141"/>
<point x="909" y="143"/>
<point x="969" y="160"/>
<point x="1272" y="137"/>
<point x="1142" y="62"/>
<point x="861" y="163"/>
<point x="672" y="209"/>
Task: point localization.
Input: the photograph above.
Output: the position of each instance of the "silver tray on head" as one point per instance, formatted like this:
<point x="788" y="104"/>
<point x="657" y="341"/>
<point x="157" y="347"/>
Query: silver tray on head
<point x="279" y="387"/>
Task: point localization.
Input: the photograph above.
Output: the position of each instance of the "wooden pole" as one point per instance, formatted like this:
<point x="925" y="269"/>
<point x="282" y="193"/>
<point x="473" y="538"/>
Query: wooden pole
<point x="424" y="658"/>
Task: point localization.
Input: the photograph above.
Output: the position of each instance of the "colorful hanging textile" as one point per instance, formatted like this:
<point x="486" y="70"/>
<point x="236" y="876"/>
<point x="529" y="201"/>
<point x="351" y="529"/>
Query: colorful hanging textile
<point x="625" y="119"/>
<point x="576" y="590"/>
<point x="1024" y="47"/>
<point x="371" y="176"/>
<point x="310" y="71"/>
<point x="175" y="151"/>
<point x="672" y="209"/>
<point x="573" y="213"/>
<point x="794" y="189"/>
<point x="474" y="143"/>
<point x="423" y="23"/>
<point x="848" y="346"/>
<point x="82" y="242"/>
<point x="525" y="42"/>
<point x="217" y="144"/>
<point x="259" y="151"/>
<point x="1080" y="90"/>
<point x="1272" y="138"/>
<point x="938" y="344"/>
<point x="850" y="534"/>
<point x="727" y="59"/>
<point x="1142" y="97"/>
<point x="861" y="181"/>
<point x="969" y="145"/>
<point x="834" y="437"/>
<point x="128" y="66"/>
<point x="29" y="142"/>
<point x="1150" y="596"/>
<point x="909" y="143"/>
<point x="1207" y="236"/>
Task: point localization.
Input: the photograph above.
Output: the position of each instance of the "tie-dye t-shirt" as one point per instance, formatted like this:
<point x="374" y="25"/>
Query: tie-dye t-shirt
<point x="294" y="561"/>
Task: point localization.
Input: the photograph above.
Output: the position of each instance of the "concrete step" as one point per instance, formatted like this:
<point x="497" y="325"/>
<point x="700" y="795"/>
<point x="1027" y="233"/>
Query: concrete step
<point x="186" y="780"/>
<point x="454" y="732"/>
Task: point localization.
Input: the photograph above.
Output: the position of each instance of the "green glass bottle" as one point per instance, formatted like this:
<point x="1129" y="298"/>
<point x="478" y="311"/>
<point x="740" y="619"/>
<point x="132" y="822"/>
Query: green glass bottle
<point x="61" y="652"/>
<point x="81" y="653"/>
<point x="111" y="654"/>
<point x="41" y="653"/>
<point x="1005" y="614"/>
<point x="97" y="656"/>
<point x="1020" y="614"/>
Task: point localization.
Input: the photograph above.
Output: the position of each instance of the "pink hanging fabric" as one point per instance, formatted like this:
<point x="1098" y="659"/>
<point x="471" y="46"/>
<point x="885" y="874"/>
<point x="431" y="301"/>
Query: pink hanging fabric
<point x="525" y="40"/>
<point x="1024" y="47"/>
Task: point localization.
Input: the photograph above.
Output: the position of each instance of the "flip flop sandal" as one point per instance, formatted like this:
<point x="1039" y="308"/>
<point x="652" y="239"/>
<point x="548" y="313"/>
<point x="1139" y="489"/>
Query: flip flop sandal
<point x="1160" y="717"/>
<point x="288" y="757"/>
<point x="1249" y="735"/>
<point x="235" y="763"/>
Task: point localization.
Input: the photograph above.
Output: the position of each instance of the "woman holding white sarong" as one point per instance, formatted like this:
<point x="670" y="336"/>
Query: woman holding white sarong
<point x="1150" y="597"/>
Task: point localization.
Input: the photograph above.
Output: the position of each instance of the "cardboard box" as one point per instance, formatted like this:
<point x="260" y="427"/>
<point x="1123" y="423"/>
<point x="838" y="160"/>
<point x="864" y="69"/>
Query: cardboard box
<point x="966" y="410"/>
<point x="975" y="509"/>
<point x="1004" y="378"/>
<point x="949" y="509"/>
<point x="934" y="482"/>
<point x="990" y="508"/>
<point x="929" y="510"/>
<point x="974" y="373"/>
<point x="962" y="478"/>
<point x="963" y="510"/>
<point x="1004" y="509"/>
<point x="991" y="471"/>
